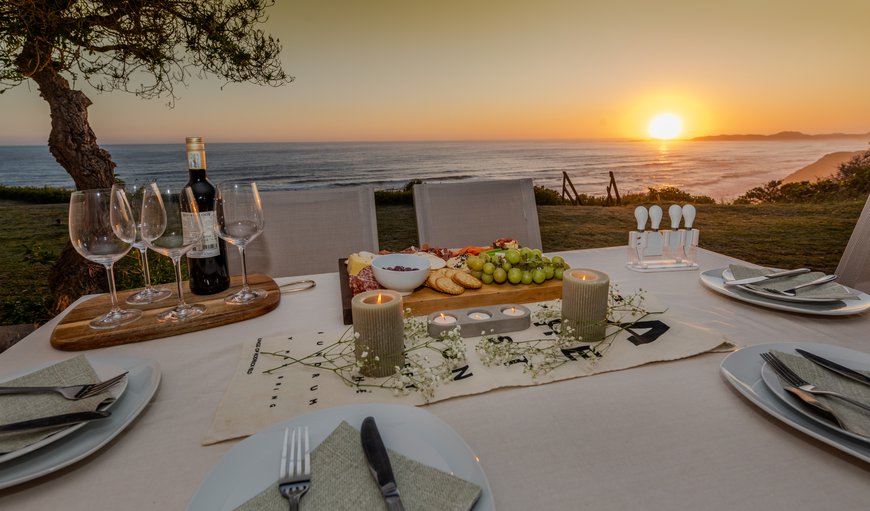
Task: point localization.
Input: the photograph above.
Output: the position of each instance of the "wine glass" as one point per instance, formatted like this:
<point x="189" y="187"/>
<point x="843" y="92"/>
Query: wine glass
<point x="149" y="294"/>
<point x="238" y="220"/>
<point x="102" y="229"/>
<point x="170" y="231"/>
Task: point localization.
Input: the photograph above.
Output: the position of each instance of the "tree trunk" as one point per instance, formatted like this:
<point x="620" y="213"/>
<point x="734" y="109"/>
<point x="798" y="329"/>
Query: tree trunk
<point x="74" y="146"/>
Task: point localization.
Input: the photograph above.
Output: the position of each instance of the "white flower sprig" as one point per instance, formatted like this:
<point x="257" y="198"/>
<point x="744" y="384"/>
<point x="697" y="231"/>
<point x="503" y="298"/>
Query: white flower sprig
<point x="541" y="356"/>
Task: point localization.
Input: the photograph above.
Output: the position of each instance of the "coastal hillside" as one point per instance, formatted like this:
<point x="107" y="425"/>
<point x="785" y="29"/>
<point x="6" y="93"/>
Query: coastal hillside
<point x="781" y="136"/>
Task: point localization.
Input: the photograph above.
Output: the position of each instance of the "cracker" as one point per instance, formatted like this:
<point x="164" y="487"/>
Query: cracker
<point x="466" y="280"/>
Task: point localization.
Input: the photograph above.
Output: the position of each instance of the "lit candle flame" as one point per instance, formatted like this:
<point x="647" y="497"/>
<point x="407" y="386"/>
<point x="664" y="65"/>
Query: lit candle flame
<point x="379" y="298"/>
<point x="513" y="310"/>
<point x="582" y="277"/>
<point x="443" y="316"/>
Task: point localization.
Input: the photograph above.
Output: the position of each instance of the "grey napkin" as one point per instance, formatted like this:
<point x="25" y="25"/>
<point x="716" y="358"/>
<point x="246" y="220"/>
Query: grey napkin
<point x="830" y="290"/>
<point x="850" y="417"/>
<point x="21" y="407"/>
<point x="341" y="480"/>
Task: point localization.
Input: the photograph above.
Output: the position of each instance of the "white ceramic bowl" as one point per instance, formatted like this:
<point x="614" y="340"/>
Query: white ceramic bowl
<point x="404" y="282"/>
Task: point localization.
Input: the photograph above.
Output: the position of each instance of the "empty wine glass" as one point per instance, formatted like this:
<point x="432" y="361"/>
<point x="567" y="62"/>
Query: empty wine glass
<point x="149" y="294"/>
<point x="238" y="220"/>
<point x="170" y="231"/>
<point x="102" y="229"/>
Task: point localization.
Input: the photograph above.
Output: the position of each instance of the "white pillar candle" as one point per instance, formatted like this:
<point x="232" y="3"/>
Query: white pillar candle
<point x="584" y="303"/>
<point x="379" y="329"/>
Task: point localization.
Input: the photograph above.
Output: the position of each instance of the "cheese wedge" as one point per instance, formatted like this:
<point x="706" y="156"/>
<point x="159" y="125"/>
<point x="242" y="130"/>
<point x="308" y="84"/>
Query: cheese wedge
<point x="356" y="262"/>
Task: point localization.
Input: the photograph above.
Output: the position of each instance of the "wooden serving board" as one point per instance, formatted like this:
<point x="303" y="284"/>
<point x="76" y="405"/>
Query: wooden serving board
<point x="426" y="301"/>
<point x="74" y="334"/>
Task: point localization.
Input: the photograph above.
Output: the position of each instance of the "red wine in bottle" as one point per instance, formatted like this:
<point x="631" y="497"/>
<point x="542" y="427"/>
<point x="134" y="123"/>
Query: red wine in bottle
<point x="206" y="262"/>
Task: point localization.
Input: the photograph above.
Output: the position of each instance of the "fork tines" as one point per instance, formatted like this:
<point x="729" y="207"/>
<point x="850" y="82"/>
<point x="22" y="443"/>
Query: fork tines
<point x="783" y="370"/>
<point x="295" y="471"/>
<point x="96" y="388"/>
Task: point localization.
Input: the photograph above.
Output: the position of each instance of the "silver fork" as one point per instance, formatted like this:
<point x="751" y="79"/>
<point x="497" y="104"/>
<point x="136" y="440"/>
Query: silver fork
<point x="793" y="291"/>
<point x="295" y="473"/>
<point x="71" y="392"/>
<point x="796" y="381"/>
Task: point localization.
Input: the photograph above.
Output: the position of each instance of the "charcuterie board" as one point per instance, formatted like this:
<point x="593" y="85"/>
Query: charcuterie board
<point x="426" y="301"/>
<point x="74" y="334"/>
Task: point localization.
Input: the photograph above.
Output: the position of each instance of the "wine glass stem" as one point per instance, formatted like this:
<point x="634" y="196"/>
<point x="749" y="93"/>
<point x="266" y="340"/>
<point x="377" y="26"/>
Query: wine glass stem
<point x="110" y="273"/>
<point x="143" y="255"/>
<point x="177" y="262"/>
<point x="244" y="268"/>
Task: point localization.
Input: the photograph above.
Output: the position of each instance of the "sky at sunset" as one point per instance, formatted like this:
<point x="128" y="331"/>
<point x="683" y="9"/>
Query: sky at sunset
<point x="479" y="70"/>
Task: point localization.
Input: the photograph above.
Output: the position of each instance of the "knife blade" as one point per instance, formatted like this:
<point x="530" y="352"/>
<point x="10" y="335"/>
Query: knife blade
<point x="833" y="366"/>
<point x="53" y="421"/>
<point x="762" y="278"/>
<point x="379" y="464"/>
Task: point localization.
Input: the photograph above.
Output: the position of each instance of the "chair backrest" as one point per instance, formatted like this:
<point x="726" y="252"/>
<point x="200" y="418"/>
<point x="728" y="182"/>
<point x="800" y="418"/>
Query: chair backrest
<point x="307" y="231"/>
<point x="462" y="213"/>
<point x="854" y="267"/>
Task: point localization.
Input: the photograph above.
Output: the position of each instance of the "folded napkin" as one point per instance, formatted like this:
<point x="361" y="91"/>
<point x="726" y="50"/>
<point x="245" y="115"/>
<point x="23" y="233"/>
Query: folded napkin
<point x="850" y="417"/>
<point x="21" y="407"/>
<point x="829" y="290"/>
<point x="341" y="480"/>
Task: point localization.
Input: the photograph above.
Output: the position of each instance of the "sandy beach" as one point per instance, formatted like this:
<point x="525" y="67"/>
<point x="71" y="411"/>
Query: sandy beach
<point x="826" y="166"/>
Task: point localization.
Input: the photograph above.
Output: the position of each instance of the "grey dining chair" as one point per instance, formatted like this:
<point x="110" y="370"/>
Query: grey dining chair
<point x="854" y="267"/>
<point x="461" y="213"/>
<point x="307" y="231"/>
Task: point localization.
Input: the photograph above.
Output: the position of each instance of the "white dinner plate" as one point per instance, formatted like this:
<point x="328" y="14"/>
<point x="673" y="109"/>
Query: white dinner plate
<point x="252" y="465"/>
<point x="104" y="372"/>
<point x="742" y="369"/>
<point x="142" y="380"/>
<point x="714" y="280"/>
<point x="727" y="275"/>
<point x="772" y="381"/>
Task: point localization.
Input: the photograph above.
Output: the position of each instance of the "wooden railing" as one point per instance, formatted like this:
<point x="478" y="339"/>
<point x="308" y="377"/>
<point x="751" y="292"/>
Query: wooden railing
<point x="569" y="193"/>
<point x="566" y="182"/>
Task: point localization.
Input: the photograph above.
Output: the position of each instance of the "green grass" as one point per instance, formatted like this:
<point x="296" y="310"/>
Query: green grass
<point x="781" y="235"/>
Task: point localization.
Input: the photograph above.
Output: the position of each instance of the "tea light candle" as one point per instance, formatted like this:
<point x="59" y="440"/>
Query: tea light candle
<point x="479" y="316"/>
<point x="444" y="319"/>
<point x="584" y="303"/>
<point x="513" y="311"/>
<point x="379" y="328"/>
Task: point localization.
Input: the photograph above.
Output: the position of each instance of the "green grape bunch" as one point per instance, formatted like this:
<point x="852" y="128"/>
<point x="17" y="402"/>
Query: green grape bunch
<point x="516" y="266"/>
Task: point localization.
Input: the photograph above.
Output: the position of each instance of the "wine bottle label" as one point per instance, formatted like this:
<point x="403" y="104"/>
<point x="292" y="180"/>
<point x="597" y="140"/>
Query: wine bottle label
<point x="196" y="159"/>
<point x="208" y="245"/>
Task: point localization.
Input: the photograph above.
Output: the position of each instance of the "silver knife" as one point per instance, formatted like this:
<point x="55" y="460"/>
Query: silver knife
<point x="53" y="421"/>
<point x="379" y="464"/>
<point x="833" y="366"/>
<point x="762" y="278"/>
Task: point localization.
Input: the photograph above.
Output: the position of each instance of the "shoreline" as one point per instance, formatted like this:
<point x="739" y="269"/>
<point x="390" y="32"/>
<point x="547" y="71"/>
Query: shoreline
<point x="825" y="167"/>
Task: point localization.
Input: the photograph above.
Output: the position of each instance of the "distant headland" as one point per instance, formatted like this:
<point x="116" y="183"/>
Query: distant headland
<point x="782" y="135"/>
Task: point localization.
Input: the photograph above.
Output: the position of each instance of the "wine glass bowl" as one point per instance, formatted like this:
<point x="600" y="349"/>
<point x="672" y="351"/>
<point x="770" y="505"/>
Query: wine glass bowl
<point x="170" y="231"/>
<point x="149" y="294"/>
<point x="102" y="229"/>
<point x="238" y="221"/>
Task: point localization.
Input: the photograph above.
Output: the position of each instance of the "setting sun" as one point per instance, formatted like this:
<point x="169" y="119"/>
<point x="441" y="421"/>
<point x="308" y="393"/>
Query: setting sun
<point x="665" y="126"/>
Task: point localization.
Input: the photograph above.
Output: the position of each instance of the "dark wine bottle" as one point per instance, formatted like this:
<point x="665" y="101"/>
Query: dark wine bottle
<point x="206" y="262"/>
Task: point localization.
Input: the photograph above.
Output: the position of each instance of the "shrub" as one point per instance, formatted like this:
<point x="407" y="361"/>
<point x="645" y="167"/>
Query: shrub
<point x="35" y="195"/>
<point x="852" y="181"/>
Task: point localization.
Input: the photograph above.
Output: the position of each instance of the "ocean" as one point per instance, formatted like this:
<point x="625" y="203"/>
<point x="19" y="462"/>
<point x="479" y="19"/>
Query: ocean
<point x="722" y="169"/>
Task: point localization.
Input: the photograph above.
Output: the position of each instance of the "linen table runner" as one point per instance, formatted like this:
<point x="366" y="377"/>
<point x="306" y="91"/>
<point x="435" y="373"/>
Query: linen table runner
<point x="256" y="399"/>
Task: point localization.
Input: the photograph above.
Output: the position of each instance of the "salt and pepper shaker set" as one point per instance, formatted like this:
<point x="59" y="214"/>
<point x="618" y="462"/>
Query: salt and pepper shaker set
<point x="656" y="249"/>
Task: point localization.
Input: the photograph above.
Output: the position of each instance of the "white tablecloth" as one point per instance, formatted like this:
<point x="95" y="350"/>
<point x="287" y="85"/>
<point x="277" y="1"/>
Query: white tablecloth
<point x="665" y="436"/>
